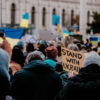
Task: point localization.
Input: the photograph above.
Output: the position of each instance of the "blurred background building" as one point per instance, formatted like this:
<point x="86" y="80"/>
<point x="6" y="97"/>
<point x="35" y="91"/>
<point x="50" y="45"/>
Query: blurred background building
<point x="41" y="11"/>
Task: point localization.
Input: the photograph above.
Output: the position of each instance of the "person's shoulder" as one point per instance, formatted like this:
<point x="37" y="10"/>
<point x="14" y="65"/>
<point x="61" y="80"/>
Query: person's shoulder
<point x="20" y="74"/>
<point x="56" y="76"/>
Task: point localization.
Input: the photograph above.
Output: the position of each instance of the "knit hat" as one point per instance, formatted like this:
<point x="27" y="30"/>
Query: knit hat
<point x="51" y="52"/>
<point x="91" y="58"/>
<point x="21" y="44"/>
<point x="42" y="42"/>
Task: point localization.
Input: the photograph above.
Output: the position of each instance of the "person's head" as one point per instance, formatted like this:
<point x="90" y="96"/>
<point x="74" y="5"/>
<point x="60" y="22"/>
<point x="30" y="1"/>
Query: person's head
<point x="98" y="44"/>
<point x="59" y="67"/>
<point x="59" y="49"/>
<point x="33" y="56"/>
<point x="42" y="48"/>
<point x="83" y="47"/>
<point x="21" y="45"/>
<point x="68" y="40"/>
<point x="29" y="47"/>
<point x="17" y="56"/>
<point x="94" y="48"/>
<point x="87" y="40"/>
<point x="73" y="47"/>
<point x="79" y="46"/>
<point x="43" y="42"/>
<point x="51" y="52"/>
<point x="91" y="58"/>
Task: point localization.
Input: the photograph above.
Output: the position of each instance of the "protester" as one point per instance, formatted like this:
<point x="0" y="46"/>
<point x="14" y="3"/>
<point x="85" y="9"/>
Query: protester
<point x="5" y="45"/>
<point x="51" y="53"/>
<point x="88" y="44"/>
<point x="68" y="40"/>
<point x="59" y="58"/>
<point x="42" y="47"/>
<point x="73" y="46"/>
<point x="36" y="81"/>
<point x="4" y="75"/>
<point x="83" y="49"/>
<point x="17" y="60"/>
<point x="86" y="84"/>
<point x="29" y="49"/>
<point x="98" y="46"/>
<point x="94" y="48"/>
<point x="21" y="45"/>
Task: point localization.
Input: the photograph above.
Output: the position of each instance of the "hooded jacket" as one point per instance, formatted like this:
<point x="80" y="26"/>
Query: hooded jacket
<point x="4" y="75"/>
<point x="84" y="86"/>
<point x="36" y="81"/>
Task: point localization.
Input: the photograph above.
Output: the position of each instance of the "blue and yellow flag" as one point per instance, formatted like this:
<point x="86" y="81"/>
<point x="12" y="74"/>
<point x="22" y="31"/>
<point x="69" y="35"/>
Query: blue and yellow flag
<point x="13" y="35"/>
<point x="24" y="21"/>
<point x="94" y="40"/>
<point x="56" y="22"/>
<point x="66" y="34"/>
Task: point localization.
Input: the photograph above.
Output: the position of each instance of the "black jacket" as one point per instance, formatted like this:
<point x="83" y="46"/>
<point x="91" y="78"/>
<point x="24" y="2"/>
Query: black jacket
<point x="84" y="86"/>
<point x="4" y="87"/>
<point x="37" y="81"/>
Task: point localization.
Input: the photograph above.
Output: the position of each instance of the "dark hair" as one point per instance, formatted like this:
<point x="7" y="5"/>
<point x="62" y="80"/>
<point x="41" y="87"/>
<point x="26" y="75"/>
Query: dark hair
<point x="42" y="48"/>
<point x="59" y="50"/>
<point x="18" y="56"/>
<point x="79" y="46"/>
<point x="29" y="47"/>
<point x="98" y="43"/>
<point x="92" y="68"/>
<point x="95" y="49"/>
<point x="59" y="67"/>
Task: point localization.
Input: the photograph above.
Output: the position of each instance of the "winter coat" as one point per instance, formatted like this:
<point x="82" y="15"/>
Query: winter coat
<point x="4" y="75"/>
<point x="36" y="81"/>
<point x="4" y="87"/>
<point x="84" y="86"/>
<point x="64" y="77"/>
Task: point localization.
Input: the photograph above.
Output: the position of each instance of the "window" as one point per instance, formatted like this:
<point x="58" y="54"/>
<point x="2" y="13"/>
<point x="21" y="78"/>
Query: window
<point x="13" y="10"/>
<point x="44" y="17"/>
<point x="33" y="15"/>
<point x="72" y="17"/>
<point x="54" y="11"/>
<point x="88" y="17"/>
<point x="63" y="18"/>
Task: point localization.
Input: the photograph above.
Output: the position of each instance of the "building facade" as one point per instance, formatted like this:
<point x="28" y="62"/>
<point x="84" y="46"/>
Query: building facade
<point x="41" y="11"/>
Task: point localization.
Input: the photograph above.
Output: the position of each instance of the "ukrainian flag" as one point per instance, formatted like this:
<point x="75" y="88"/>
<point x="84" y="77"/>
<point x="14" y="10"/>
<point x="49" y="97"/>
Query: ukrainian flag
<point x="56" y="23"/>
<point x="66" y="34"/>
<point x="13" y="35"/>
<point x="24" y="22"/>
<point x="94" y="40"/>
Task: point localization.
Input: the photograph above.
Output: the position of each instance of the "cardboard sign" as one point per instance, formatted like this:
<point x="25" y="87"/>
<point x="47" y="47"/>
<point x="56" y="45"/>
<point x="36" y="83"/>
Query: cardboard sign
<point x="72" y="61"/>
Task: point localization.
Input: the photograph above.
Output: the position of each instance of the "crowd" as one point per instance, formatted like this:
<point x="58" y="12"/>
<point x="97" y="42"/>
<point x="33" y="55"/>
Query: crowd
<point x="35" y="72"/>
